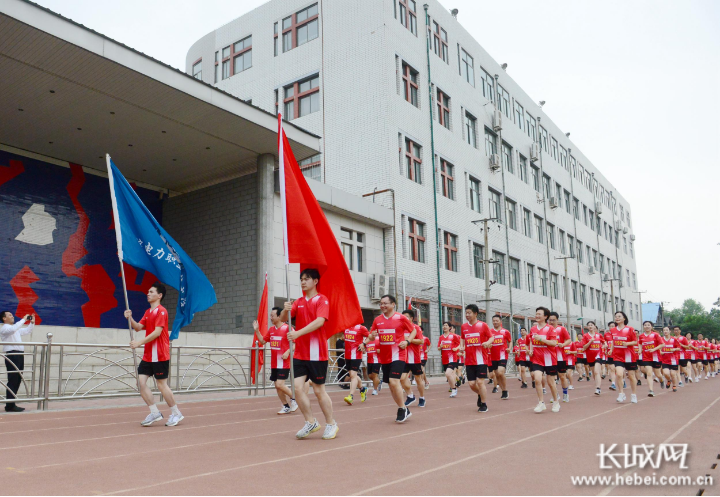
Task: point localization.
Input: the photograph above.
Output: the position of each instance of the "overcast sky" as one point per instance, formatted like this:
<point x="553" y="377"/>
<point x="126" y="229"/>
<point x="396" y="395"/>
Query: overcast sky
<point x="637" y="83"/>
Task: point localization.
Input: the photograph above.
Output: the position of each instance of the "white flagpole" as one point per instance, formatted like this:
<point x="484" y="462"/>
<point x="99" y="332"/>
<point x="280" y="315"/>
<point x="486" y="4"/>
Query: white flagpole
<point x="283" y="208"/>
<point x="118" y="239"/>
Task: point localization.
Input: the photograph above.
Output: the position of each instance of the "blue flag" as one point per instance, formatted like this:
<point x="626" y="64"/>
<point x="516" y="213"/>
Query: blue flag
<point x="143" y="243"/>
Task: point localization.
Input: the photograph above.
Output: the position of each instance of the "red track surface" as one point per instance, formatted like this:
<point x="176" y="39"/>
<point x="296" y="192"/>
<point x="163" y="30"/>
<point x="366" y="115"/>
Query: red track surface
<point x="242" y="447"/>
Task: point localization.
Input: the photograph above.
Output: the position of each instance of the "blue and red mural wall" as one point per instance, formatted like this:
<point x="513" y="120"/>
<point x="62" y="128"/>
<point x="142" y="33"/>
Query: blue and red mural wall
<point x="58" y="255"/>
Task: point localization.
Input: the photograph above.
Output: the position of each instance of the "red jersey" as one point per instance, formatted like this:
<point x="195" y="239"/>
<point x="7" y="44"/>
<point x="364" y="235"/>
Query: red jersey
<point x="596" y="341"/>
<point x="703" y="344"/>
<point x="523" y="348"/>
<point x="501" y="338"/>
<point x="570" y="358"/>
<point x="516" y="353"/>
<point x="667" y="355"/>
<point x="447" y="343"/>
<point x="621" y="351"/>
<point x="391" y="332"/>
<point x="353" y="339"/>
<point x="475" y="335"/>
<point x="279" y="344"/>
<point x="157" y="350"/>
<point x="372" y="349"/>
<point x="424" y="348"/>
<point x="647" y="342"/>
<point x="311" y="346"/>
<point x="543" y="355"/>
<point x="563" y="336"/>
<point x="581" y="354"/>
<point x="414" y="352"/>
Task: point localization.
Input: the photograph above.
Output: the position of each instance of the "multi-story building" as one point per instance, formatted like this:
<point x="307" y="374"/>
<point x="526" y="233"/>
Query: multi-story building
<point x="413" y="106"/>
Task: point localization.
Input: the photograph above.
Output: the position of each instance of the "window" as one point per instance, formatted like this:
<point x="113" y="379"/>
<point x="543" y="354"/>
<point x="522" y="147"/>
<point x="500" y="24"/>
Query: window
<point x="470" y="129"/>
<point x="353" y="244"/>
<point x="563" y="248"/>
<point x="197" y="70"/>
<point x="627" y="271"/>
<point x="589" y="256"/>
<point x="546" y="187"/>
<point x="506" y="158"/>
<point x="554" y="290"/>
<point x="453" y="314"/>
<point x="450" y="248"/>
<point x="583" y="296"/>
<point x="573" y="284"/>
<point x="467" y="67"/>
<point x="634" y="282"/>
<point x="543" y="282"/>
<point x="580" y="251"/>
<point x="527" y="223"/>
<point x="551" y="235"/>
<point x="544" y="138"/>
<point x="585" y="215"/>
<point x="503" y="101"/>
<point x="300" y="28"/>
<point x="511" y="214"/>
<point x="408" y="15"/>
<point x="571" y="245"/>
<point x="625" y="244"/>
<point x="413" y="162"/>
<point x="242" y="55"/>
<point x="558" y="194"/>
<point x="226" y="62"/>
<point x="530" y="126"/>
<point x="539" y="229"/>
<point x="514" y="273"/>
<point x="519" y="115"/>
<point x="448" y="179"/>
<point x="311" y="167"/>
<point x="487" y="82"/>
<point x="632" y="251"/>
<point x="595" y="259"/>
<point x="605" y="301"/>
<point x="275" y="40"/>
<point x="563" y="158"/>
<point x="567" y="202"/>
<point x="490" y="144"/>
<point x="592" y="220"/>
<point x="494" y="198"/>
<point x="417" y="240"/>
<point x="598" y="299"/>
<point x="499" y="267"/>
<point x="440" y="42"/>
<point x="302" y="98"/>
<point x="531" y="278"/>
<point x="410" y="84"/>
<point x="536" y="178"/>
<point x="554" y="149"/>
<point x="478" y="265"/>
<point x="217" y="66"/>
<point x="522" y="168"/>
<point x="347" y="250"/>
<point x="475" y="195"/>
<point x="443" y="107"/>
<point x="576" y="208"/>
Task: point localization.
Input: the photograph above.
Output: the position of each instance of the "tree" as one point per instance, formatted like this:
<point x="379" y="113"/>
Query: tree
<point x="692" y="317"/>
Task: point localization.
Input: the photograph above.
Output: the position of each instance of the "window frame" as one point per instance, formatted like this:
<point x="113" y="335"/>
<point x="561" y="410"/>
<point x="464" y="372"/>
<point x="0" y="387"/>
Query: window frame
<point x="294" y="26"/>
<point x="416" y="234"/>
<point x="411" y="89"/>
<point x="443" y="108"/>
<point x="413" y="163"/>
<point x="447" y="179"/>
<point x="409" y="20"/>
<point x="450" y="250"/>
<point x="297" y="96"/>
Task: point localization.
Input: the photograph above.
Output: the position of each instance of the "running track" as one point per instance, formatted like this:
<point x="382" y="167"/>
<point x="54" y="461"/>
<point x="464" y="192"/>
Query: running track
<point x="242" y="447"/>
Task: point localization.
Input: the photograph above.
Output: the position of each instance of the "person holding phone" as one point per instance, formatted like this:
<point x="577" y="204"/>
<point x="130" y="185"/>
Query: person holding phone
<point x="12" y="332"/>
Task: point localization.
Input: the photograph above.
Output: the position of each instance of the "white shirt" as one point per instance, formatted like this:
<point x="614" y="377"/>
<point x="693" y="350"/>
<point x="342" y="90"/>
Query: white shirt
<point x="13" y="333"/>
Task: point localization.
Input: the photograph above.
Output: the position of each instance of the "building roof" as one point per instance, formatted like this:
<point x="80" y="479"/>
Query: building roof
<point x="651" y="312"/>
<point x="71" y="93"/>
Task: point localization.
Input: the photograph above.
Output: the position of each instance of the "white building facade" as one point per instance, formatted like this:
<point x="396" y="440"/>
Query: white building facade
<point x="356" y="74"/>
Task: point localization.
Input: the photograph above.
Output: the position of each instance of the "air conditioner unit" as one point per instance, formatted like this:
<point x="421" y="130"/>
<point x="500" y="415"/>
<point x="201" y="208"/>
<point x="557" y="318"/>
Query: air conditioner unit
<point x="494" y="162"/>
<point x="553" y="202"/>
<point x="497" y="120"/>
<point x="378" y="286"/>
<point x="632" y="238"/>
<point x="534" y="152"/>
<point x="625" y="230"/>
<point x="618" y="225"/>
<point x="591" y="270"/>
<point x="598" y="207"/>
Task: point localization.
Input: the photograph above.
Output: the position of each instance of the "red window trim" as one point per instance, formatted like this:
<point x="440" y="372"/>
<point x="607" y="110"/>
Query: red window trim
<point x="297" y="96"/>
<point x="408" y="13"/>
<point x="413" y="158"/>
<point x="448" y="249"/>
<point x="456" y="324"/>
<point x="294" y="26"/>
<point x="443" y="104"/>
<point x="312" y="164"/>
<point x="446" y="178"/>
<point x="441" y="43"/>
<point x="408" y="82"/>
<point x="232" y="56"/>
<point x="421" y="321"/>
<point x="415" y="238"/>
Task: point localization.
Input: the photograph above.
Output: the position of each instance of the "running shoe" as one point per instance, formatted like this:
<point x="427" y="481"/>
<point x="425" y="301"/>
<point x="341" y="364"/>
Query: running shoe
<point x="674" y="389"/>
<point x="453" y="393"/>
<point x="612" y="386"/>
<point x="603" y="377"/>
<point x="639" y="382"/>
<point x="544" y="392"/>
<point x="403" y="414"/>
<point x="308" y="429"/>
<point x="571" y="387"/>
<point x="410" y="400"/>
<point x="331" y="431"/>
<point x="681" y="384"/>
<point x="374" y="392"/>
<point x="624" y="384"/>
<point x="667" y="385"/>
<point x="363" y="394"/>
<point x="566" y="397"/>
<point x="504" y="395"/>
<point x="463" y="378"/>
<point x="524" y="385"/>
<point x="495" y="389"/>
<point x="483" y="408"/>
<point x="633" y="398"/>
<point x="662" y="384"/>
<point x="174" y="419"/>
<point x="293" y="406"/>
<point x="621" y="397"/>
<point x="651" y="394"/>
<point x="349" y="400"/>
<point x="151" y="418"/>
<point x="284" y="410"/>
<point x="413" y="382"/>
<point x="597" y="391"/>
<point x="379" y="387"/>
<point x="479" y="401"/>
<point x="421" y="403"/>
<point x="540" y="407"/>
<point x="427" y="385"/>
<point x="489" y="381"/>
<point x="533" y="383"/>
<point x="556" y="406"/>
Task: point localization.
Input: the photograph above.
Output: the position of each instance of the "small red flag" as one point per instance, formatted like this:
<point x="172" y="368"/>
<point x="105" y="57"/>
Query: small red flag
<point x="262" y="319"/>
<point x="309" y="240"/>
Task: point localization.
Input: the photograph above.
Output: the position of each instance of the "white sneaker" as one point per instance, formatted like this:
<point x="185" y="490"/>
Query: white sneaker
<point x="374" y="392"/>
<point x="556" y="406"/>
<point x="308" y="429"/>
<point x="427" y="385"/>
<point x="330" y="431"/>
<point x="571" y="387"/>
<point x="540" y="407"/>
<point x="633" y="398"/>
<point x="566" y="397"/>
<point x="681" y="384"/>
<point x="174" y="419"/>
<point x="413" y="382"/>
<point x="293" y="406"/>
<point x="151" y="418"/>
<point x="621" y="397"/>
<point x="453" y="393"/>
<point x="597" y="391"/>
<point x="284" y="410"/>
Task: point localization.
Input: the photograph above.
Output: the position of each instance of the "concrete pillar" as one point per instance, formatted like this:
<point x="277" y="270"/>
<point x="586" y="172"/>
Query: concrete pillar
<point x="265" y="206"/>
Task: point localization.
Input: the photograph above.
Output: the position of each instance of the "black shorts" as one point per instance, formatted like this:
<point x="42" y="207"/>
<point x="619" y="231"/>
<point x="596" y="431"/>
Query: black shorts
<point x="694" y="361"/>
<point x="279" y="374"/>
<point x="394" y="370"/>
<point x="475" y="372"/>
<point x="496" y="364"/>
<point x="315" y="371"/>
<point x="673" y="367"/>
<point x="705" y="361"/>
<point x="353" y="364"/>
<point x="571" y="366"/>
<point x="451" y="365"/>
<point x="548" y="370"/>
<point x="652" y="364"/>
<point x="160" y="370"/>
<point x="562" y="367"/>
<point x="590" y="362"/>
<point x="630" y="366"/>
<point x="423" y="362"/>
<point x="373" y="368"/>
<point x="415" y="369"/>
<point x="582" y="360"/>
<point x="683" y="362"/>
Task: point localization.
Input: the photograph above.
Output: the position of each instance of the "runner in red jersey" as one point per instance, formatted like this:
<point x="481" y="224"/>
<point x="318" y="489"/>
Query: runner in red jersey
<point x="610" y="364"/>
<point x="592" y="345"/>
<point x="543" y="341"/>
<point x="669" y="358"/>
<point x="393" y="328"/>
<point x="276" y="336"/>
<point x="476" y="340"/>
<point x="373" y="363"/>
<point x="310" y="358"/>
<point x="414" y="364"/>
<point x="520" y="355"/>
<point x="563" y="340"/>
<point x="425" y="347"/>
<point x="702" y="346"/>
<point x="354" y="348"/>
<point x="570" y="353"/>
<point x="651" y="343"/>
<point x="695" y="358"/>
<point x="448" y="345"/>
<point x="683" y="355"/>
<point x="716" y="357"/>
<point x="581" y="361"/>
<point x="499" y="355"/>
<point x="621" y="349"/>
<point x="156" y="357"/>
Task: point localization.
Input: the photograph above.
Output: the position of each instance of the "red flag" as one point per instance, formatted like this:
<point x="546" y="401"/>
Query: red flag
<point x="310" y="241"/>
<point x="410" y="304"/>
<point x="262" y="319"/>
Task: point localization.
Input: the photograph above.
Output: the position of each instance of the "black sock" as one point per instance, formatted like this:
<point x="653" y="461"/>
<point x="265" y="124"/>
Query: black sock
<point x="287" y="405"/>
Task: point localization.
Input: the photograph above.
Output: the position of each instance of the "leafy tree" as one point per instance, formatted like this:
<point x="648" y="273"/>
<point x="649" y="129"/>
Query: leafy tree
<point x="693" y="317"/>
